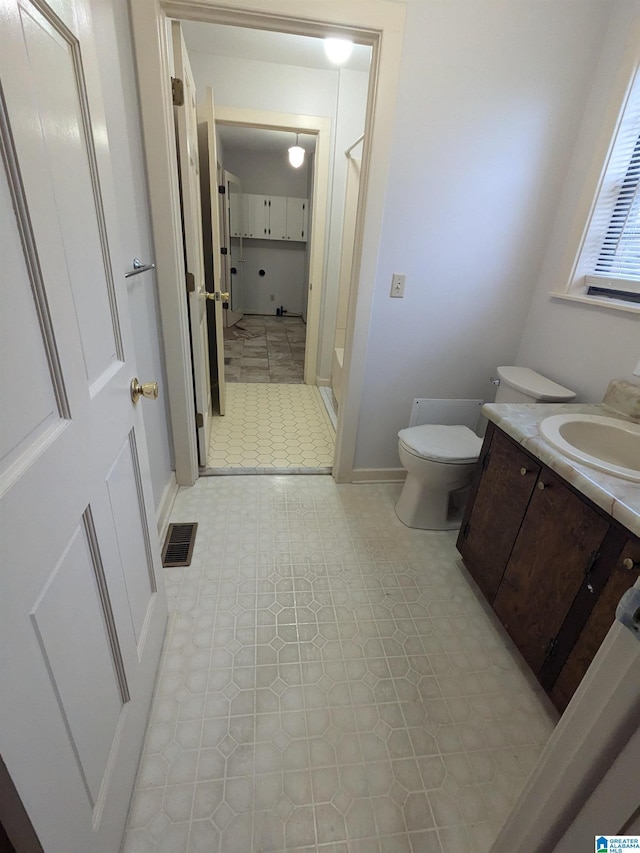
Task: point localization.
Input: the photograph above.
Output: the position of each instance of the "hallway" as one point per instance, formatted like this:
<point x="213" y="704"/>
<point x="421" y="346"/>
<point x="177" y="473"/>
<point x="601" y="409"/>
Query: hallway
<point x="330" y="682"/>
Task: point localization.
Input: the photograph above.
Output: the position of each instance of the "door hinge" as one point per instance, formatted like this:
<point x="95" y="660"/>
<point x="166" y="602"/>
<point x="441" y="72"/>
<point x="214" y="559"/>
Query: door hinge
<point x="551" y="648"/>
<point x="191" y="282"/>
<point x="224" y="251"/>
<point x="222" y="189"/>
<point x="485" y="461"/>
<point x="199" y="420"/>
<point x="177" y="92"/>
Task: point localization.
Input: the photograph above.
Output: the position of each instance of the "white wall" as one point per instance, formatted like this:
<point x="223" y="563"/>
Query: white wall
<point x="283" y="264"/>
<point x="267" y="173"/>
<point x="584" y="347"/>
<point x="122" y="114"/>
<point x="340" y="95"/>
<point x="490" y="101"/>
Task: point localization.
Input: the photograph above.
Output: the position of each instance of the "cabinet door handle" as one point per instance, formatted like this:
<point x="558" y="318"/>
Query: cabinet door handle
<point x="631" y="564"/>
<point x="542" y="486"/>
<point x="524" y="471"/>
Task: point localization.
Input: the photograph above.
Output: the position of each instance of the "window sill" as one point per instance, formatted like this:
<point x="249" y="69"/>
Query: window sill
<point x="598" y="302"/>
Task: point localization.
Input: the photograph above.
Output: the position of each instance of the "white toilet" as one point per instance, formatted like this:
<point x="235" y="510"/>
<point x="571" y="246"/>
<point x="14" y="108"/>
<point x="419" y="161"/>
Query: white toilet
<point x="440" y="459"/>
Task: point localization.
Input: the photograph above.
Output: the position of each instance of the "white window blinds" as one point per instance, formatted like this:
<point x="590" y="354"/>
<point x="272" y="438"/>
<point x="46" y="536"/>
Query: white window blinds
<point x="610" y="259"/>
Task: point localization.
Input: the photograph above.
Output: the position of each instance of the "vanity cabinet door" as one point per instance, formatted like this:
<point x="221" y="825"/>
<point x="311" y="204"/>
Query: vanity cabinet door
<point x="487" y="536"/>
<point x="625" y="573"/>
<point x="557" y="543"/>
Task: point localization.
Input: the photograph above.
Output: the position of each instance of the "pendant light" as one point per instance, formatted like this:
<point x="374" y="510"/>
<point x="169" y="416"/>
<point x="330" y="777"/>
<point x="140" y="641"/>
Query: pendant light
<point x="338" y="50"/>
<point x="296" y="155"/>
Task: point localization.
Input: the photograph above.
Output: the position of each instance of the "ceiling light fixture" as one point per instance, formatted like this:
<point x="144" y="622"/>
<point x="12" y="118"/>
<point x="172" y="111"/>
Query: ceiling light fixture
<point x="338" y="50"/>
<point x="296" y="155"/>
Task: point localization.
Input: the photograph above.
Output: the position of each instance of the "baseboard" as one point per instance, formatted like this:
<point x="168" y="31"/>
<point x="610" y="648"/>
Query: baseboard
<point x="166" y="505"/>
<point x="378" y="475"/>
<point x="322" y="381"/>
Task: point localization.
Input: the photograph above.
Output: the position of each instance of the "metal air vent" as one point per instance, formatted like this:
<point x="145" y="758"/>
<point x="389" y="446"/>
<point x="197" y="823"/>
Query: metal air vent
<point x="178" y="545"/>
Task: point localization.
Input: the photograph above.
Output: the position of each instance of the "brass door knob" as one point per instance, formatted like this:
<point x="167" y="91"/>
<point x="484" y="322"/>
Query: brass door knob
<point x="146" y="389"/>
<point x="630" y="564"/>
<point x="524" y="471"/>
<point x="542" y="485"/>
<point x="218" y="297"/>
<point x="225" y="297"/>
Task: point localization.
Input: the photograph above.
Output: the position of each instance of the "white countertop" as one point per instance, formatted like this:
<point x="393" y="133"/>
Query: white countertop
<point x="620" y="498"/>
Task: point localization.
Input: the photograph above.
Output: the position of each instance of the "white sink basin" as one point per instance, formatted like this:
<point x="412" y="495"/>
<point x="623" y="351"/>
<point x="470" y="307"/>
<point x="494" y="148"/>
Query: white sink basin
<point x="608" y="444"/>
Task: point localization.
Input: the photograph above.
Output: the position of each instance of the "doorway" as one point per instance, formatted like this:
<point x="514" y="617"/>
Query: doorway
<point x="375" y="24"/>
<point x="283" y="226"/>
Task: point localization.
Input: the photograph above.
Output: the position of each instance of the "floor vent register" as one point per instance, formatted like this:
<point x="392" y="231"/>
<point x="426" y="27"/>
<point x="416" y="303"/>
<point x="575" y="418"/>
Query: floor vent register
<point x="178" y="546"/>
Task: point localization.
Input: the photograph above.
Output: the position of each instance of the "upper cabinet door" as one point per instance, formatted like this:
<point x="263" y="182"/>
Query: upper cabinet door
<point x="257" y="216"/>
<point x="297" y="219"/>
<point x="277" y="217"/>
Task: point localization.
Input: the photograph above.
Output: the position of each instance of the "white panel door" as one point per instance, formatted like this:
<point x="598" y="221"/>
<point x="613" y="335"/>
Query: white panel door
<point x="186" y="119"/>
<point x="232" y="263"/>
<point x="82" y="608"/>
<point x="211" y="220"/>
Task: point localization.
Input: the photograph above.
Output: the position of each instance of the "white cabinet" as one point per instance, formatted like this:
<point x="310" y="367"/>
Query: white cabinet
<point x="297" y="219"/>
<point x="277" y="217"/>
<point x="270" y="217"/>
<point x="257" y="216"/>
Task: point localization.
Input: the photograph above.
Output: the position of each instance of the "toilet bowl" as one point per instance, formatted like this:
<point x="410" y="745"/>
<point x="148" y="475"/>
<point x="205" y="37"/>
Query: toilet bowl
<point x="440" y="459"/>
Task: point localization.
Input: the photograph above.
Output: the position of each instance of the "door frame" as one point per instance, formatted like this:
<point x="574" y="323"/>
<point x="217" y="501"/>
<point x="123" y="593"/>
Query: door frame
<point x="378" y="23"/>
<point x="320" y="127"/>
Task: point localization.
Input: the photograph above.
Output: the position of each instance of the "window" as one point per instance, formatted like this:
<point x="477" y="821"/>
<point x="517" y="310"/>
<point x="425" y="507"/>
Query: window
<point x="609" y="263"/>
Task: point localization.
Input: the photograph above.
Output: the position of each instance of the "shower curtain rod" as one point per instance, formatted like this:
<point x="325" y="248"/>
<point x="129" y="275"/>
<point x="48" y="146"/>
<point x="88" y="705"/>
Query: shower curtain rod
<point x="353" y="145"/>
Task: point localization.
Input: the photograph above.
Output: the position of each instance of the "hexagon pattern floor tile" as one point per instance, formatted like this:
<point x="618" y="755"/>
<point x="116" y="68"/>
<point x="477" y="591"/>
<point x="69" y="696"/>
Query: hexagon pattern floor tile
<point x="272" y="427"/>
<point x="330" y="681"/>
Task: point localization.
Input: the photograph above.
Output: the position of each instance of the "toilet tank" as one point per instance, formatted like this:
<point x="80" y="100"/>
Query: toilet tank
<point x="523" y="385"/>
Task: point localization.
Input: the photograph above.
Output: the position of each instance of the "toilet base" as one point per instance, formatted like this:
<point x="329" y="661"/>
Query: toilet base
<point x="426" y="508"/>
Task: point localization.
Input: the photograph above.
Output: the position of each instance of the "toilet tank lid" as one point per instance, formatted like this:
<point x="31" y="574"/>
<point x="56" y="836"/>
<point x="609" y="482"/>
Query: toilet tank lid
<point x="539" y="387"/>
<point x="442" y="443"/>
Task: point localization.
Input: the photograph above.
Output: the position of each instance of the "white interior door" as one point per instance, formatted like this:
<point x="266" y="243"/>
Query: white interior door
<point x="82" y="604"/>
<point x="233" y="214"/>
<point x="189" y="166"/>
<point x="211" y="221"/>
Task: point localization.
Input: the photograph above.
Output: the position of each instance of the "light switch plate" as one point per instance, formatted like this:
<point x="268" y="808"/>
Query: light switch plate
<point x="636" y="372"/>
<point x="397" y="285"/>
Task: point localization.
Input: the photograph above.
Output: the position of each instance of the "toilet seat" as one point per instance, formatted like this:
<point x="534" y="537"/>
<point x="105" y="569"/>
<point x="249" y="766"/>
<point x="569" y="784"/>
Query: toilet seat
<point x="455" y="445"/>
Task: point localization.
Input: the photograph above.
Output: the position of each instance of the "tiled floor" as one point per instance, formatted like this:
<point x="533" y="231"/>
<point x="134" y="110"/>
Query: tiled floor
<point x="271" y="427"/>
<point x="329" y="682"/>
<point x="265" y="349"/>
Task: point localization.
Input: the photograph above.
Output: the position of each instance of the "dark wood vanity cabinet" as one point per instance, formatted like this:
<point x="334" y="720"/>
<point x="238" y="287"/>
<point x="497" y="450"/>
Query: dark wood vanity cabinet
<point x="552" y="564"/>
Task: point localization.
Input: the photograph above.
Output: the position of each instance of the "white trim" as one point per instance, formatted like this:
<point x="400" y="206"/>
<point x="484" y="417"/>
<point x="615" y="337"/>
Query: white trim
<point x="165" y="506"/>
<point x="323" y="381"/>
<point x="378" y="475"/>
<point x="595" y="302"/>
<point x="321" y="127"/>
<point x="379" y="23"/>
<point x="571" y="269"/>
<point x="152" y="55"/>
